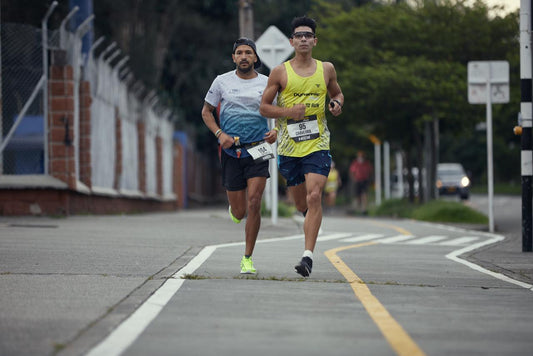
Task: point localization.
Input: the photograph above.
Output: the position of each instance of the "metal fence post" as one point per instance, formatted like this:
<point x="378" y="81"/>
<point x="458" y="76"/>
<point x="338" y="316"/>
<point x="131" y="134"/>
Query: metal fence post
<point x="44" y="28"/>
<point x="82" y="29"/>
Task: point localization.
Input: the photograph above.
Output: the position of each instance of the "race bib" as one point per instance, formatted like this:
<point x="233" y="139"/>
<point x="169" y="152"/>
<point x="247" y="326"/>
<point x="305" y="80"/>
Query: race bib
<point x="261" y="151"/>
<point x="303" y="130"/>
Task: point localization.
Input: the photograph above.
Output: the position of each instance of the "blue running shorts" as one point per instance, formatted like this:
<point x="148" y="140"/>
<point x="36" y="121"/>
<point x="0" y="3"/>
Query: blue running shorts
<point x="294" y="169"/>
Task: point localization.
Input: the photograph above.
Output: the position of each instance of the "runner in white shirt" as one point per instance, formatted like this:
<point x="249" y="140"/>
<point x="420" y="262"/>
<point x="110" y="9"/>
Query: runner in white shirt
<point x="244" y="138"/>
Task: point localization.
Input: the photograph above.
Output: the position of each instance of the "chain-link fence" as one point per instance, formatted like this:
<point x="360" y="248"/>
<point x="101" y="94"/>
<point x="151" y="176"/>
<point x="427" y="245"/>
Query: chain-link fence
<point x="115" y="156"/>
<point x="122" y="143"/>
<point x="22" y="100"/>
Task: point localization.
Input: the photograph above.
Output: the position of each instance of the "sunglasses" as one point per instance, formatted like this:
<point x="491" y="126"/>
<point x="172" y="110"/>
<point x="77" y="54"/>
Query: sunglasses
<point x="300" y="35"/>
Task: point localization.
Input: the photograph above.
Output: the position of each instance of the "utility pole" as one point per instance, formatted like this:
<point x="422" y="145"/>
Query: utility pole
<point x="1" y="110"/>
<point x="526" y="117"/>
<point x="246" y="19"/>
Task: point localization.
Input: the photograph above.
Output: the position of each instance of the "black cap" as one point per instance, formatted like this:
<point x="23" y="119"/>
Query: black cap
<point x="248" y="42"/>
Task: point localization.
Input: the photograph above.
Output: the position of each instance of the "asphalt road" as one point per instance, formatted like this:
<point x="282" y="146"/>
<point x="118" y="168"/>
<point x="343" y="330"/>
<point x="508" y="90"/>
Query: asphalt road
<point x="169" y="284"/>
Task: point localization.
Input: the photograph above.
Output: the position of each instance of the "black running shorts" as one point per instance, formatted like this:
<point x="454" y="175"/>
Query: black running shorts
<point x="236" y="171"/>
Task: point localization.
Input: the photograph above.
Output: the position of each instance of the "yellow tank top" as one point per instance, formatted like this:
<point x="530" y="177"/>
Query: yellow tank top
<point x="300" y="138"/>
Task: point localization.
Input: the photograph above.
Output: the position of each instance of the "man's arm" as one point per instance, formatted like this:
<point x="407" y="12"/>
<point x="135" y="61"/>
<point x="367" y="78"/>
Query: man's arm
<point x="334" y="90"/>
<point x="274" y="85"/>
<point x="209" y="120"/>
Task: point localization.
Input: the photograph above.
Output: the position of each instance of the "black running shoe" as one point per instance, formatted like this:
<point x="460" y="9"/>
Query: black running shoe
<point x="304" y="267"/>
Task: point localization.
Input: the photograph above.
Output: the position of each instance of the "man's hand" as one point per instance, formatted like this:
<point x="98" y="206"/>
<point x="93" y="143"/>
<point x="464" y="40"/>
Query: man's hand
<point x="226" y="141"/>
<point x="271" y="136"/>
<point x="335" y="108"/>
<point x="297" y="112"/>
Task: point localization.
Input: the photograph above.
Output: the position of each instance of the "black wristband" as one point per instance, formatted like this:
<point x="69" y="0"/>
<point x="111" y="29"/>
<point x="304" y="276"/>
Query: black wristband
<point x="338" y="102"/>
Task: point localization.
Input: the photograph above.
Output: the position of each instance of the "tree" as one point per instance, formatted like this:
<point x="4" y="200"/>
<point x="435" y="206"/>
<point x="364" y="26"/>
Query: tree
<point x="401" y="66"/>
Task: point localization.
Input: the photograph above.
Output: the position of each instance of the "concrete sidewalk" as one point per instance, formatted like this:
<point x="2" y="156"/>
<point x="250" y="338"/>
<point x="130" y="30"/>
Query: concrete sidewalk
<point x="505" y="257"/>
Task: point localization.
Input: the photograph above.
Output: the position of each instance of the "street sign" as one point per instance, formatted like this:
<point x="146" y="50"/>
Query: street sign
<point x="494" y="73"/>
<point x="273" y="47"/>
<point x="488" y="83"/>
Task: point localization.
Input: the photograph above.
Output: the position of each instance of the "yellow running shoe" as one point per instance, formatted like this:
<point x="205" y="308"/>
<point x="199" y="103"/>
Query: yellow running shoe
<point x="247" y="266"/>
<point x="235" y="220"/>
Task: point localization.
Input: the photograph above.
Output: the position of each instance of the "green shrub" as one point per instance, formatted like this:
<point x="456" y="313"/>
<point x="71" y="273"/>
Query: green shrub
<point x="397" y="208"/>
<point x="448" y="211"/>
<point x="435" y="210"/>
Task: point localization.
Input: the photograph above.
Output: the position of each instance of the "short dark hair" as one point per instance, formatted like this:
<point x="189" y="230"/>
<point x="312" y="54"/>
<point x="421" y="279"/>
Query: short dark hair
<point x="303" y="21"/>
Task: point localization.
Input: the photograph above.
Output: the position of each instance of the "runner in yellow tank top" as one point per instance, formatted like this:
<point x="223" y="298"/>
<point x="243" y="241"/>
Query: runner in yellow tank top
<point x="303" y="146"/>
<point x="299" y="138"/>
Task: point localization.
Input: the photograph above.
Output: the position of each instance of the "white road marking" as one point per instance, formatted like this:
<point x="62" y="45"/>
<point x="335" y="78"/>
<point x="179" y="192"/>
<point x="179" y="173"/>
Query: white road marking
<point x="333" y="236"/>
<point x="363" y="238"/>
<point x="427" y="240"/>
<point x="128" y="331"/>
<point x="454" y="256"/>
<point x="393" y="239"/>
<point x="459" y="241"/>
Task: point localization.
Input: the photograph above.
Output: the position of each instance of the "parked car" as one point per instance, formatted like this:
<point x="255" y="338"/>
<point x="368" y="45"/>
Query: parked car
<point x="452" y="180"/>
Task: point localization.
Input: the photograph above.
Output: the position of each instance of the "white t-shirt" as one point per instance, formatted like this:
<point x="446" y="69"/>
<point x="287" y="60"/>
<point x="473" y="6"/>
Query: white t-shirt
<point x="239" y="101"/>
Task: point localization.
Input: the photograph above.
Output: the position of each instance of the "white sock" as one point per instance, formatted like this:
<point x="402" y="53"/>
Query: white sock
<point x="308" y="253"/>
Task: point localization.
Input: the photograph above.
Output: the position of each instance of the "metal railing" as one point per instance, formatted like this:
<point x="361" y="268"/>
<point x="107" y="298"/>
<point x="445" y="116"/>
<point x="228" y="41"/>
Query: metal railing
<point x="23" y="141"/>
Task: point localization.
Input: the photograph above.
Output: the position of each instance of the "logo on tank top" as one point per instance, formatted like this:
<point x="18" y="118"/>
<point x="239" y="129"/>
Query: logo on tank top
<point x="305" y="94"/>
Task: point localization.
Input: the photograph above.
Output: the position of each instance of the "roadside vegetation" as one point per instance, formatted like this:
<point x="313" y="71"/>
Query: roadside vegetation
<point x="434" y="211"/>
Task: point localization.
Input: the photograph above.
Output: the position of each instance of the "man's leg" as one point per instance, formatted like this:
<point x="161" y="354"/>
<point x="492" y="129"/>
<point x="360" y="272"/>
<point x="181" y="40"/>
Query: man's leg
<point x="237" y="210"/>
<point x="359" y="194"/>
<point x="364" y="201"/>
<point x="314" y="186"/>
<point x="237" y="202"/>
<point x="299" y="196"/>
<point x="235" y="184"/>
<point x="256" y="187"/>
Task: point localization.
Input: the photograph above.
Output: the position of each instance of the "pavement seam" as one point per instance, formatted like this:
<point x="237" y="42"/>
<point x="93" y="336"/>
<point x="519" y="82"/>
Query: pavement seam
<point x="99" y="328"/>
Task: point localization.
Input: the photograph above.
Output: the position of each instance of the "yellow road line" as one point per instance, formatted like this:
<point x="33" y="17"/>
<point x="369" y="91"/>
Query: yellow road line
<point x="397" y="228"/>
<point x="396" y="336"/>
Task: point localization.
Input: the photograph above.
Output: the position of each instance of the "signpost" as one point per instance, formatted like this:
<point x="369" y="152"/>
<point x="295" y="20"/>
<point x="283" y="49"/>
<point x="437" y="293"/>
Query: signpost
<point x="273" y="47"/>
<point x="488" y="82"/>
